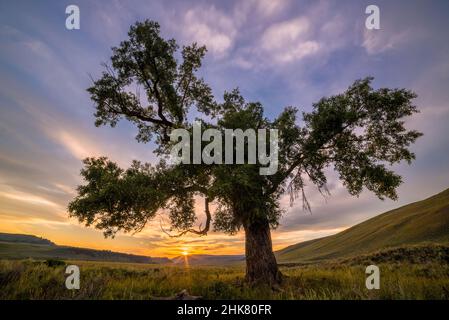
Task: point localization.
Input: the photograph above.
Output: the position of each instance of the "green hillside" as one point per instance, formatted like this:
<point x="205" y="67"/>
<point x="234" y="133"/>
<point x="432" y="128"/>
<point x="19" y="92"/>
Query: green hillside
<point x="419" y="222"/>
<point x="13" y="246"/>
<point x="24" y="238"/>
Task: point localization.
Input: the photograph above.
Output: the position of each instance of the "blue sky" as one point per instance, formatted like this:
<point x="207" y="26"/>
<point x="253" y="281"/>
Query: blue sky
<point x="280" y="53"/>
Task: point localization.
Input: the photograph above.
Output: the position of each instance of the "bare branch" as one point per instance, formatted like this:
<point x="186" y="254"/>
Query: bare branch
<point x="200" y="232"/>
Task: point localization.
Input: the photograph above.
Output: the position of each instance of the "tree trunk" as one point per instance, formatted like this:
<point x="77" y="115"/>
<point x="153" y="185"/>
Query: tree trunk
<point x="261" y="265"/>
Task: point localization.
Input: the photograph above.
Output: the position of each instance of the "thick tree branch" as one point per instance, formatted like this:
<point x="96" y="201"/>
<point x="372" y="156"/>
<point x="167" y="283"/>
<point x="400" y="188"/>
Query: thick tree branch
<point x="200" y="232"/>
<point x="129" y="113"/>
<point x="154" y="90"/>
<point x="157" y="94"/>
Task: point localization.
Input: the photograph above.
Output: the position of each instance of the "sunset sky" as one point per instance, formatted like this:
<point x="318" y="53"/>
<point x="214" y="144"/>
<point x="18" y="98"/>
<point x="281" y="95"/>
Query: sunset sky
<point x="280" y="53"/>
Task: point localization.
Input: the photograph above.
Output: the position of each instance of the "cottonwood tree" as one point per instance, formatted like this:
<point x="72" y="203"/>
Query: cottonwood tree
<point x="359" y="133"/>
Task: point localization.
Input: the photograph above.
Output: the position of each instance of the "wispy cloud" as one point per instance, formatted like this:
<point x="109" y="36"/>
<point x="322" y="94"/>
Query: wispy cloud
<point x="208" y="26"/>
<point x="287" y="41"/>
<point x="378" y="41"/>
<point x="28" y="198"/>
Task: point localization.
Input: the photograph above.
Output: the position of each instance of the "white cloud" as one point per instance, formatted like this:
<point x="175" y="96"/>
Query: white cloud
<point x="298" y="51"/>
<point x="271" y="7"/>
<point x="218" y="30"/>
<point x="260" y="8"/>
<point x="288" y="41"/>
<point x="316" y="33"/>
<point x="210" y="27"/>
<point x="378" y="41"/>
<point x="280" y="34"/>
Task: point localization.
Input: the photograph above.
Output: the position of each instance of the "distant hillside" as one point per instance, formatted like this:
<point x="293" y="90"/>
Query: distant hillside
<point x="19" y="246"/>
<point x="24" y="238"/>
<point x="419" y="222"/>
<point x="414" y="254"/>
<point x="205" y="259"/>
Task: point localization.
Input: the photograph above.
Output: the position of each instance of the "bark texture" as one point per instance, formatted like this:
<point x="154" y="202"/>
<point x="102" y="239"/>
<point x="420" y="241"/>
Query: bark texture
<point x="261" y="265"/>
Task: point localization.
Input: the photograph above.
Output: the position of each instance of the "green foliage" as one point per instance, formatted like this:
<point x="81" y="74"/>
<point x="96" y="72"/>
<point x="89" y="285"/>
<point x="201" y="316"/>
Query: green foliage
<point x="117" y="199"/>
<point x="359" y="132"/>
<point x="147" y="60"/>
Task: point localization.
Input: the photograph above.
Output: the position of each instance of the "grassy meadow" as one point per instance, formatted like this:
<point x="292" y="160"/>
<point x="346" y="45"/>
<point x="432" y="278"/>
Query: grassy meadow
<point x="410" y="245"/>
<point x="401" y="277"/>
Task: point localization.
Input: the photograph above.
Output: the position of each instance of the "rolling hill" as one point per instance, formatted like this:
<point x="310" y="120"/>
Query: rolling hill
<point x="24" y="238"/>
<point x="20" y="246"/>
<point x="426" y="221"/>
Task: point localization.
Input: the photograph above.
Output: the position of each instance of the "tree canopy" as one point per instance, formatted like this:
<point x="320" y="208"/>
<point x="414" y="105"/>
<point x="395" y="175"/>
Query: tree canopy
<point x="359" y="133"/>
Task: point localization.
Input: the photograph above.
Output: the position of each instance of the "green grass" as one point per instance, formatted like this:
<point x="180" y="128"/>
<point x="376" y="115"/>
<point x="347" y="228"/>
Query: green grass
<point x="401" y="278"/>
<point x="409" y="244"/>
<point x="423" y="221"/>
